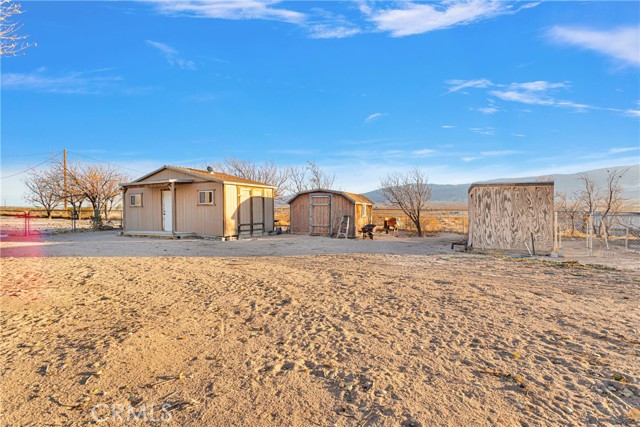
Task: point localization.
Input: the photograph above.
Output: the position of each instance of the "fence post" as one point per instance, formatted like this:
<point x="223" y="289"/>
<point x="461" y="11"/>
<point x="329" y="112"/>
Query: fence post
<point x="555" y="232"/>
<point x="626" y="241"/>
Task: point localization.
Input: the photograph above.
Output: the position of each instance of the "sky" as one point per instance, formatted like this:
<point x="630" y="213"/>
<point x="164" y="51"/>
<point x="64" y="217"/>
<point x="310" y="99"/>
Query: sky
<point x="466" y="90"/>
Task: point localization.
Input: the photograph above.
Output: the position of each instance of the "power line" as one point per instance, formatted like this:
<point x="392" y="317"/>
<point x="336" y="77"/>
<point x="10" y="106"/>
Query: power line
<point x="103" y="161"/>
<point x="31" y="168"/>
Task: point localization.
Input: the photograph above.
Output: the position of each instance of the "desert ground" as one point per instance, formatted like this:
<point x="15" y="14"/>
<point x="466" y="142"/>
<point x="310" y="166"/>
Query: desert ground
<point x="302" y="331"/>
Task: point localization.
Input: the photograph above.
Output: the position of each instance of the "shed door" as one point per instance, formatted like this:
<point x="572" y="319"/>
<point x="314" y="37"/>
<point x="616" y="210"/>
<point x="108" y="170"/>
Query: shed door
<point x="250" y="211"/>
<point x="320" y="215"/>
<point x="257" y="210"/>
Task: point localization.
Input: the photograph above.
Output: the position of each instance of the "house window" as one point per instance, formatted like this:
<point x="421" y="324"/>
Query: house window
<point x="206" y="197"/>
<point x="135" y="200"/>
<point x="364" y="210"/>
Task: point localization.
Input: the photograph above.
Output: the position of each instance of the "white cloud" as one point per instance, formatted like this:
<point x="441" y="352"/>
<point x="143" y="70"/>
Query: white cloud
<point x="468" y="159"/>
<point x="327" y="31"/>
<point x="423" y="152"/>
<point x="447" y="126"/>
<point x="417" y="18"/>
<point x="229" y="9"/>
<point x="621" y="43"/>
<point x="488" y="110"/>
<point x="373" y="117"/>
<point x="81" y="83"/>
<point x="619" y="150"/>
<point x="539" y="86"/>
<point x="532" y="93"/>
<point x="484" y="154"/>
<point x="498" y="153"/>
<point x="457" y="85"/>
<point x="523" y="97"/>
<point x="484" y="131"/>
<point x="171" y="55"/>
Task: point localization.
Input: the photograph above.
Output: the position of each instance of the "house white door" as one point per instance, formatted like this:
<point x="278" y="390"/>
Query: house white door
<point x="167" y="218"/>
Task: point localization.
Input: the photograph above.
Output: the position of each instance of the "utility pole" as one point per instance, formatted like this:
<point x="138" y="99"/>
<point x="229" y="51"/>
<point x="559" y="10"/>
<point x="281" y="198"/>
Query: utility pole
<point x="64" y="174"/>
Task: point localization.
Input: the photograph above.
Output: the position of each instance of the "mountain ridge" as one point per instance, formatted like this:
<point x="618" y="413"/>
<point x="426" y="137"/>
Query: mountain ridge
<point x="568" y="183"/>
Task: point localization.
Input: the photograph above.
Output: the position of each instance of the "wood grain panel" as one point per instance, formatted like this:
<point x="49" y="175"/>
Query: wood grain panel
<point x="505" y="217"/>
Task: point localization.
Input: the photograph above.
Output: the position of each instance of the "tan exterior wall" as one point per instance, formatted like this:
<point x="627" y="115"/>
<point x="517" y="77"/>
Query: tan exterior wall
<point x="230" y="209"/>
<point x="205" y="220"/>
<point x="148" y="217"/>
<point x="504" y="217"/>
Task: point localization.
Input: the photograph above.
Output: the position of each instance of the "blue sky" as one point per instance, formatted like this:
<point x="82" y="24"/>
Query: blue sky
<point x="467" y="90"/>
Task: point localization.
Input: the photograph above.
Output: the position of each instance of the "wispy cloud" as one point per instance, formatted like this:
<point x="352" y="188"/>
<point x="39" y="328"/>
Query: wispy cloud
<point x="447" y="126"/>
<point x="622" y="44"/>
<point x="80" y="83"/>
<point x="468" y="159"/>
<point x="488" y="110"/>
<point x="485" y="154"/>
<point x="324" y="24"/>
<point x="319" y="23"/>
<point x="373" y="117"/>
<point x="619" y="150"/>
<point x="484" y="131"/>
<point x="458" y="85"/>
<point x="539" y="92"/>
<point x="495" y="153"/>
<point x="171" y="55"/>
<point x="231" y="9"/>
<point x="424" y="152"/>
<point x="417" y="18"/>
<point x="328" y="31"/>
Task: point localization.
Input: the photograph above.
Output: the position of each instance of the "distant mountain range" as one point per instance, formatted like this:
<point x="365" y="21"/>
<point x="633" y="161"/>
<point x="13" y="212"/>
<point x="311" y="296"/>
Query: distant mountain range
<point x="568" y="183"/>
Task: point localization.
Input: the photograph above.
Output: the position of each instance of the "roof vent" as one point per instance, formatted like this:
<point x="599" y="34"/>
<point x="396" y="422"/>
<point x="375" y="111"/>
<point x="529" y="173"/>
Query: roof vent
<point x="210" y="169"/>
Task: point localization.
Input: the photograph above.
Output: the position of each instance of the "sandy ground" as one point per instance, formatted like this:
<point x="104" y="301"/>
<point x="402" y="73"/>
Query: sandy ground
<point x="378" y="333"/>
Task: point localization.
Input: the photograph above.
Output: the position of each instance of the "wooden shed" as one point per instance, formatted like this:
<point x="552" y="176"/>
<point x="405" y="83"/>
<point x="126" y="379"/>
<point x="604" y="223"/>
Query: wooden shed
<point x="182" y="201"/>
<point x="319" y="212"/>
<point x="511" y="216"/>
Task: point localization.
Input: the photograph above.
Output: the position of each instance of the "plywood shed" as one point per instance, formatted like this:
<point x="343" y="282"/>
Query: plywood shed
<point x="182" y="201"/>
<point x="319" y="212"/>
<point x="511" y="216"/>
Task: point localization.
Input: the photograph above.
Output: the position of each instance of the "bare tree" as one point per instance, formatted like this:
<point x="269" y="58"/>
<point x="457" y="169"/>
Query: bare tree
<point x="409" y="192"/>
<point x="44" y="189"/>
<point x="297" y="179"/>
<point x="310" y="177"/>
<point x="266" y="173"/>
<point x="11" y="42"/>
<point x="590" y="193"/>
<point x="569" y="206"/>
<point x="112" y="194"/>
<point x="611" y="198"/>
<point x="318" y="178"/>
<point x="95" y="182"/>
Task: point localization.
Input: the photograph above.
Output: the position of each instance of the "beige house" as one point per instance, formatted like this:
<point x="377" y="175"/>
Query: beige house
<point x="319" y="212"/>
<point x="182" y="201"/>
<point x="511" y="216"/>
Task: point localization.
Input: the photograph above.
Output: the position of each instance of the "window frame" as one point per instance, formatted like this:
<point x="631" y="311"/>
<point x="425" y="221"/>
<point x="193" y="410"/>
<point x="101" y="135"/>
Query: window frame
<point x="132" y="200"/>
<point x="213" y="197"/>
<point x="364" y="211"/>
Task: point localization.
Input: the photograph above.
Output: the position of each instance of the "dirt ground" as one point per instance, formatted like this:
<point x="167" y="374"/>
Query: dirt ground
<point x="301" y="331"/>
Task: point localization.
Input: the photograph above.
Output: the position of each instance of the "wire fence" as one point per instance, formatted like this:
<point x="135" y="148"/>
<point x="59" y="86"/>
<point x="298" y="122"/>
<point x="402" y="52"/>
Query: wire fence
<point x="27" y="221"/>
<point x="601" y="235"/>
